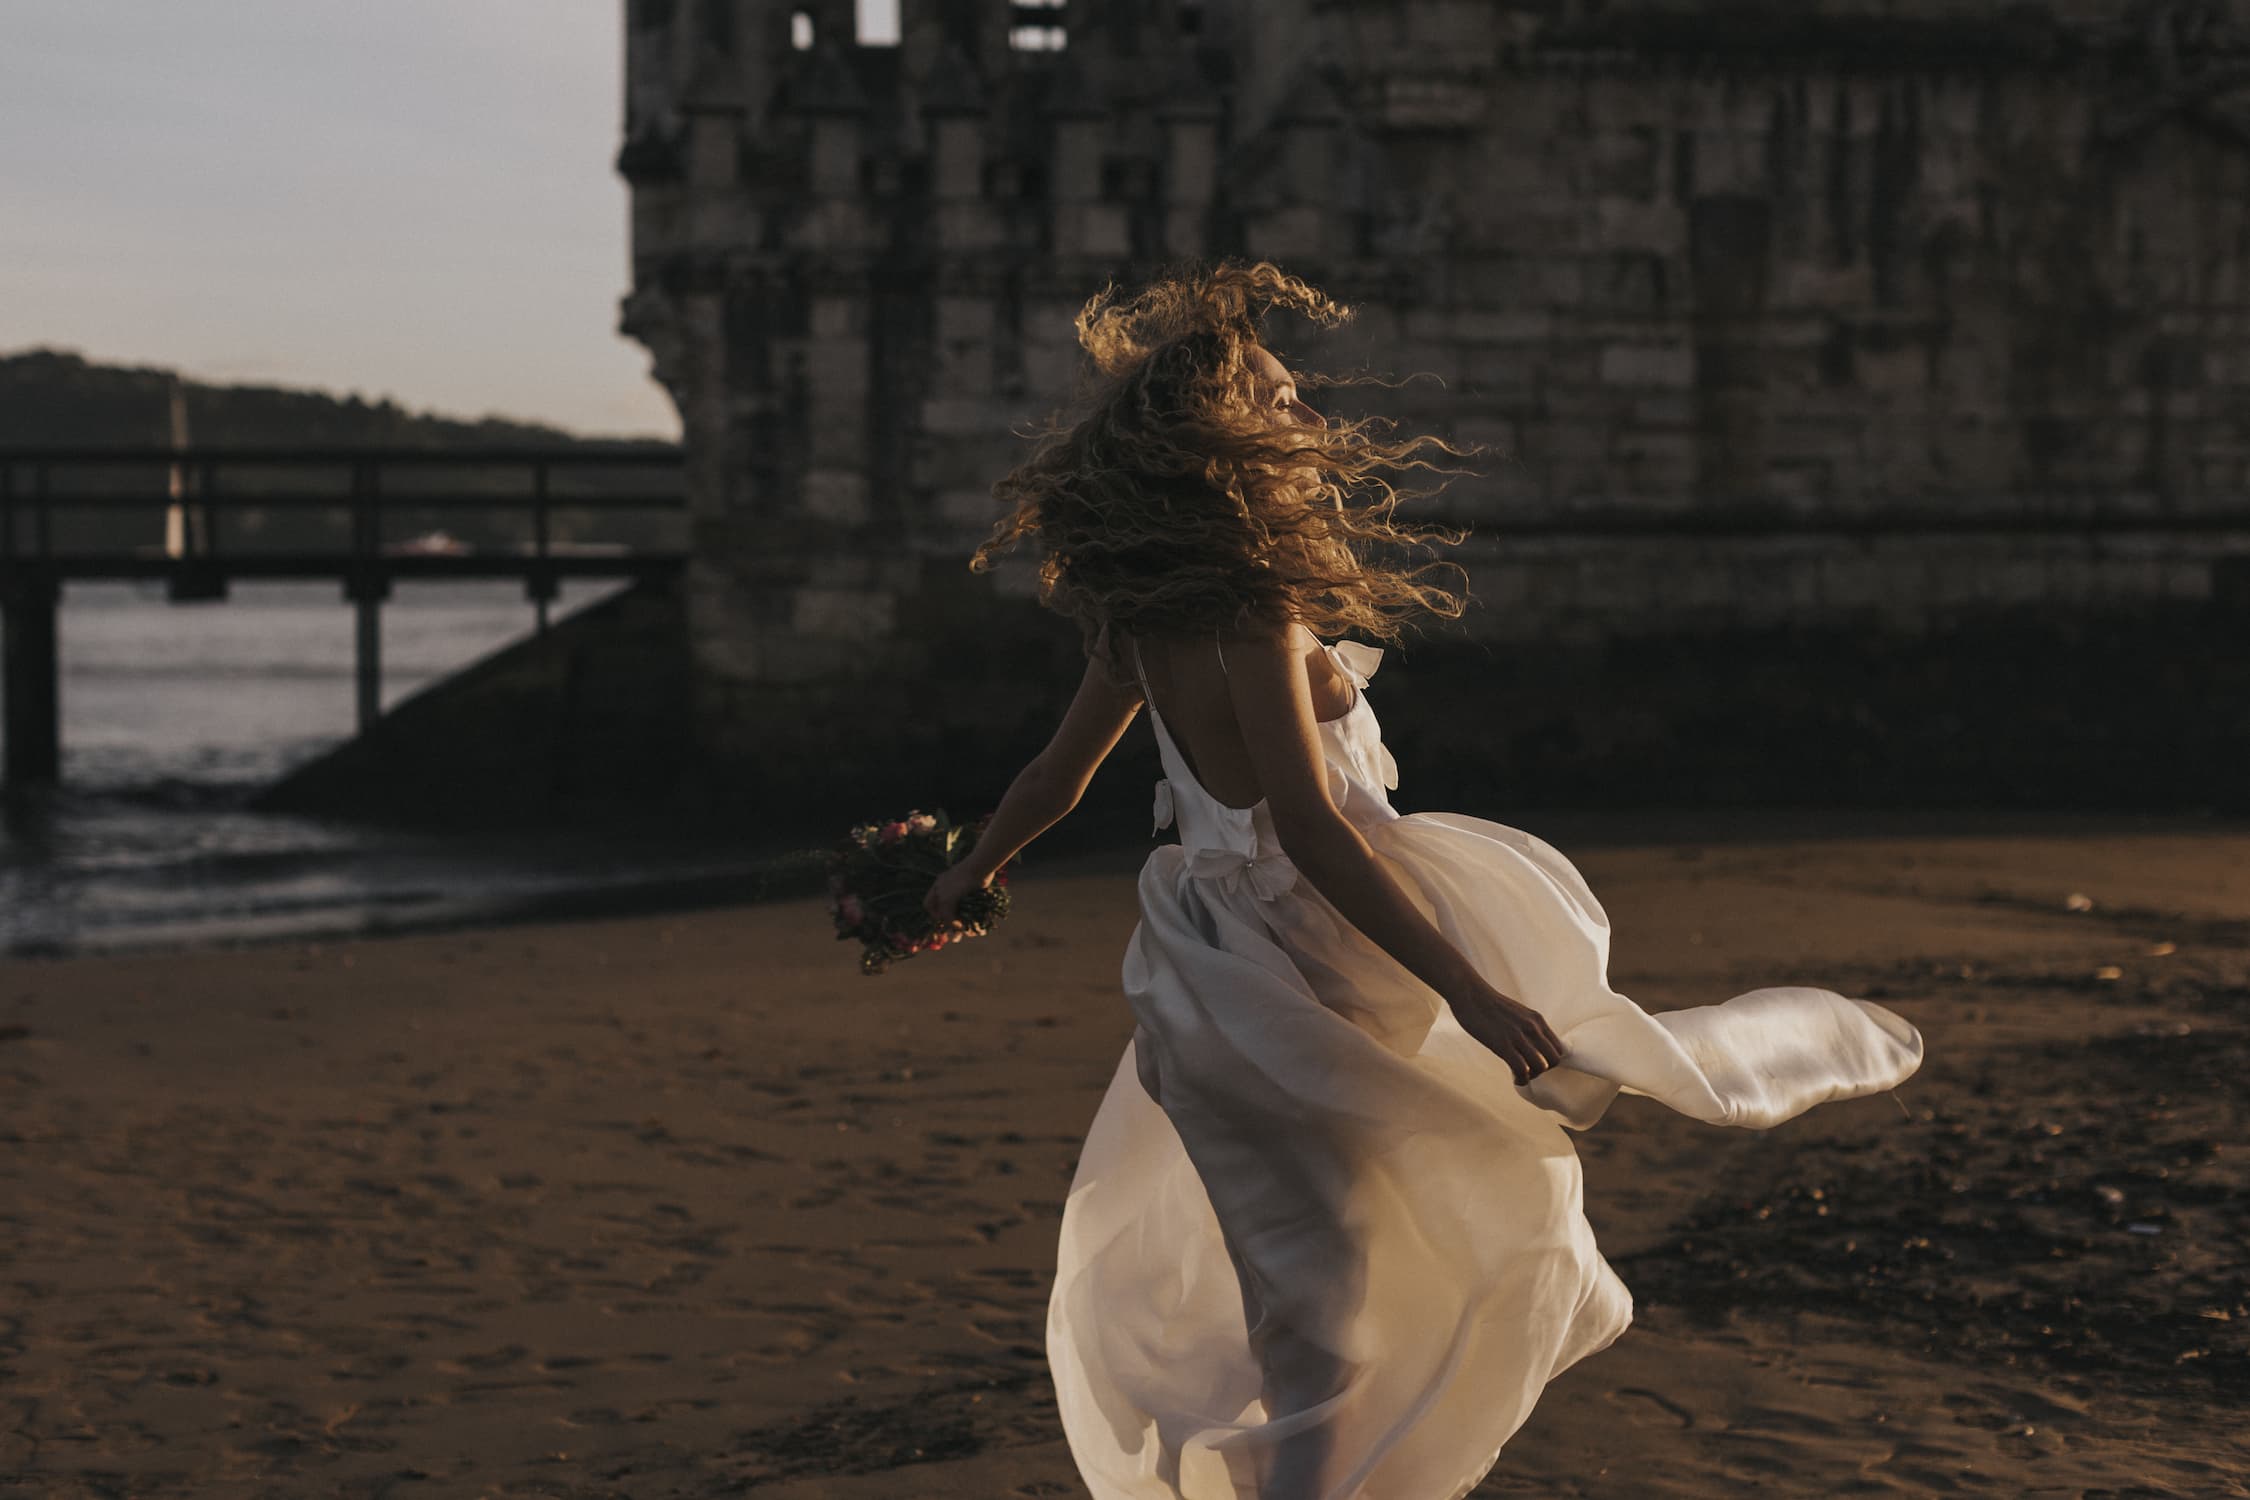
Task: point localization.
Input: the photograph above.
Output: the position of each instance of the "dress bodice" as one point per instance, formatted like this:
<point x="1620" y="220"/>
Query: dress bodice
<point x="1238" y="844"/>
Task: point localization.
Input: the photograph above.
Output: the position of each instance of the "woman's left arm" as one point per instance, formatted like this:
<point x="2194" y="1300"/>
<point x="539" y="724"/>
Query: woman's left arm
<point x="1048" y="787"/>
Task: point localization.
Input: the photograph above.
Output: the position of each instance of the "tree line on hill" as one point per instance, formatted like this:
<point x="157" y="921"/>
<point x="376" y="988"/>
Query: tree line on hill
<point x="52" y="398"/>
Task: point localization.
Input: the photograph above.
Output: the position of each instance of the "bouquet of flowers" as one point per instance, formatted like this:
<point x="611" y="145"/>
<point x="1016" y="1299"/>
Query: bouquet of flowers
<point x="879" y="874"/>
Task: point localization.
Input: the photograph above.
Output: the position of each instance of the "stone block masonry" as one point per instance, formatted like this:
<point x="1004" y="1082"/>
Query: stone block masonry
<point x="1816" y="264"/>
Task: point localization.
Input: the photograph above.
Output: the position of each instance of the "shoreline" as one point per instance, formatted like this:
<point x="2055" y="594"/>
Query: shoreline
<point x="1105" y="846"/>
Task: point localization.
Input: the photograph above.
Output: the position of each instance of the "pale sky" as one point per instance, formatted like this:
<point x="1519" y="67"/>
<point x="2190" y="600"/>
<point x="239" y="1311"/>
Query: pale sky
<point x="402" y="198"/>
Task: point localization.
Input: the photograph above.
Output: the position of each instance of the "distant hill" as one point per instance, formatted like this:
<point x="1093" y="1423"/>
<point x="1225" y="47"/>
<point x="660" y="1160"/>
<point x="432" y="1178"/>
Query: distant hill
<point x="58" y="398"/>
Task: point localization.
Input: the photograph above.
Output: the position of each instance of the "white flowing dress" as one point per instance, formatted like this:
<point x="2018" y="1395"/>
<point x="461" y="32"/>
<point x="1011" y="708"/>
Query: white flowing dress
<point x="1320" y="1245"/>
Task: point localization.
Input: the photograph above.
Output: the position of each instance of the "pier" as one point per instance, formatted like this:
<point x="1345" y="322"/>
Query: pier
<point x="192" y="492"/>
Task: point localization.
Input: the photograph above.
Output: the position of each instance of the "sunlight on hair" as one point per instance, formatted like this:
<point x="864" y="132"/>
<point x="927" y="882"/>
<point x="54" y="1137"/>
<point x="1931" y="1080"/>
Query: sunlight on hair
<point x="1173" y="496"/>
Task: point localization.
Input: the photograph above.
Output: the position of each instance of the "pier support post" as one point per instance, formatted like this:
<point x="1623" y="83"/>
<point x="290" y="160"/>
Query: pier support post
<point x="28" y="601"/>
<point x="367" y="590"/>
<point x="539" y="583"/>
<point x="541" y="586"/>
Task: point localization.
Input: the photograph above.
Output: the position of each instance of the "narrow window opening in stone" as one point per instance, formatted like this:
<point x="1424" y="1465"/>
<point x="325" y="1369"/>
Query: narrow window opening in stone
<point x="801" y="30"/>
<point x="1022" y="179"/>
<point x="876" y="23"/>
<point x="1036" y="25"/>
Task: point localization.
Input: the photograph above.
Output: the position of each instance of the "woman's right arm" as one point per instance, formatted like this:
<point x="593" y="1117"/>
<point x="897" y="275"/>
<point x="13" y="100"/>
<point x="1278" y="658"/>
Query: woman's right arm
<point x="1269" y="689"/>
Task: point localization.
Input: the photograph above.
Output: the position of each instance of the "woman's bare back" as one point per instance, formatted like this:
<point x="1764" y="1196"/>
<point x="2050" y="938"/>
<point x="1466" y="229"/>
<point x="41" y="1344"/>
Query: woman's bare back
<point x="1187" y="680"/>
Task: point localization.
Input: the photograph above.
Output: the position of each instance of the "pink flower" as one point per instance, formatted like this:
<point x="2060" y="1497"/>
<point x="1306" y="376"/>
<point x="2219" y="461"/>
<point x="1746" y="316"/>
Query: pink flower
<point x="849" y="905"/>
<point x="893" y="832"/>
<point x="920" y="822"/>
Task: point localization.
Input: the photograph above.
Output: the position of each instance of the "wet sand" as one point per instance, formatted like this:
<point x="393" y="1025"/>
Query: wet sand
<point x="681" y="1205"/>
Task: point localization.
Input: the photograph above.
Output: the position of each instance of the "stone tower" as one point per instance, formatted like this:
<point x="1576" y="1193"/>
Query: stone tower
<point x="1728" y="265"/>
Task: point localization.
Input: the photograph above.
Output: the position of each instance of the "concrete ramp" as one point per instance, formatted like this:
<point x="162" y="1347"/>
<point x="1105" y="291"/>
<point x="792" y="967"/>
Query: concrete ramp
<point x="587" y="722"/>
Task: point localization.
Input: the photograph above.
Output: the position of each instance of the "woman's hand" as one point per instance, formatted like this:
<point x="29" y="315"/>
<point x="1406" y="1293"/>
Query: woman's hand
<point x="948" y="889"/>
<point x="1516" y="1033"/>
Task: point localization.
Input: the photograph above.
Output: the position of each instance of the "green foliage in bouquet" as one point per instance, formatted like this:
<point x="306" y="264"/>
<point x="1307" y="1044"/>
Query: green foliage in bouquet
<point x="880" y="873"/>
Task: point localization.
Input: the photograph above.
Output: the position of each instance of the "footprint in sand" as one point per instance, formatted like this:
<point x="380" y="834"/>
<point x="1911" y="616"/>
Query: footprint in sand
<point x="1648" y="1409"/>
<point x="489" y="1359"/>
<point x="594" y="1416"/>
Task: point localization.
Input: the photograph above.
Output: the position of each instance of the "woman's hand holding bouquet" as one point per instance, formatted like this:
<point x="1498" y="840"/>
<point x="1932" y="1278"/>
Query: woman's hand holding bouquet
<point x="907" y="886"/>
<point x="949" y="890"/>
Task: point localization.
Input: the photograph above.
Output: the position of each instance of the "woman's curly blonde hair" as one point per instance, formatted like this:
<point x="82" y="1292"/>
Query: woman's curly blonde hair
<point x="1171" y="498"/>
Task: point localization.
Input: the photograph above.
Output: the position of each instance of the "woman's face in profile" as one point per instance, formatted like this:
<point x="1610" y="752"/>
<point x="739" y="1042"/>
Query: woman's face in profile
<point x="1279" y="389"/>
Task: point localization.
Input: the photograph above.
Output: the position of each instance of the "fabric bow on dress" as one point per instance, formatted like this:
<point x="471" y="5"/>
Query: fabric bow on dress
<point x="1163" y="806"/>
<point x="1267" y="874"/>
<point x="1359" y="662"/>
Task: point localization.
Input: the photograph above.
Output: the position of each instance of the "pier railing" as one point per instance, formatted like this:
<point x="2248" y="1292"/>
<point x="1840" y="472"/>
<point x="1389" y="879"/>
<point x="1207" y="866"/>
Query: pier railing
<point x="221" y="514"/>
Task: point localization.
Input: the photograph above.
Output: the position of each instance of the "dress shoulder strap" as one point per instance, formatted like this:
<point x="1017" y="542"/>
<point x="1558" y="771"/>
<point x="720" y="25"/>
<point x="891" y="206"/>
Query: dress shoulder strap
<point x="1133" y="643"/>
<point x="1221" y="645"/>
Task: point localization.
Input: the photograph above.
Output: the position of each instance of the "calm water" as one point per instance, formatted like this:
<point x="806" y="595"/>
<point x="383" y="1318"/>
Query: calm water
<point x="174" y="713"/>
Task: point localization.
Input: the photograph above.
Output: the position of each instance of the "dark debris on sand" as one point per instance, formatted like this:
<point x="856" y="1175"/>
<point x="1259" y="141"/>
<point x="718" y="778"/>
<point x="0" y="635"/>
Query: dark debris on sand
<point x="2079" y="1206"/>
<point x="852" y="1436"/>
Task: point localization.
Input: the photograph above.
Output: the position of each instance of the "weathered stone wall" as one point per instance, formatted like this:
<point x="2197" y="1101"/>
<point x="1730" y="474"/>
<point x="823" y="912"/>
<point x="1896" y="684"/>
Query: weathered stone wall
<point x="2107" y="709"/>
<point x="1811" y="263"/>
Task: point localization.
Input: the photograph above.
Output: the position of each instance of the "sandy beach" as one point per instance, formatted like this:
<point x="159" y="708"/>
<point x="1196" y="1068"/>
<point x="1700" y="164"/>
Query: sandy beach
<point x="681" y="1205"/>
